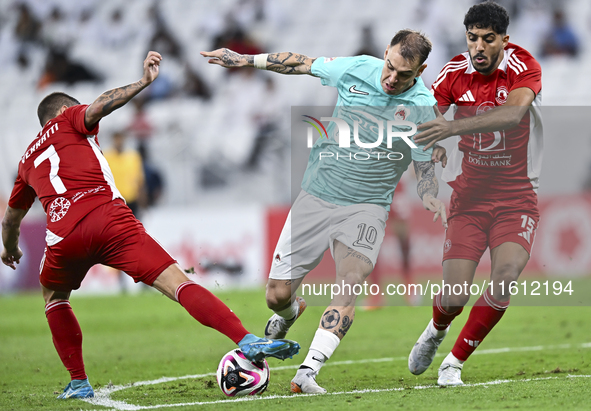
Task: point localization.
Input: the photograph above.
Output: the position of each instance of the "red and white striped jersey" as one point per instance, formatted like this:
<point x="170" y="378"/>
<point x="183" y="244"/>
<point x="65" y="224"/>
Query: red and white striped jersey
<point x="502" y="164"/>
<point x="65" y="168"/>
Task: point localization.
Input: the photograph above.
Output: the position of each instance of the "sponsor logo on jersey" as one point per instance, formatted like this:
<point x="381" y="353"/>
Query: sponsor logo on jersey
<point x="329" y="59"/>
<point x="502" y="94"/>
<point x="484" y="107"/>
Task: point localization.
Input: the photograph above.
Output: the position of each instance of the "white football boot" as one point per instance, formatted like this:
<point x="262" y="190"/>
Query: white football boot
<point x="450" y="375"/>
<point x="425" y="348"/>
<point x="305" y="382"/>
<point x="277" y="326"/>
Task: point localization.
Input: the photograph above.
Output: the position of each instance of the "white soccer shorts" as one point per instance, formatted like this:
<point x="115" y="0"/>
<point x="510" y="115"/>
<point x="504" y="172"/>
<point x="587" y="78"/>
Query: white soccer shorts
<point x="312" y="227"/>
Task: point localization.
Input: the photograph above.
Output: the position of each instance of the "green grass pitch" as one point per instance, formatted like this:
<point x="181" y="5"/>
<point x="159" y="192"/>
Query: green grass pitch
<point x="537" y="357"/>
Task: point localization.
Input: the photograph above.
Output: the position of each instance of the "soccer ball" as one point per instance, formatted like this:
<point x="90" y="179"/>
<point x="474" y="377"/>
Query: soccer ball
<point x="237" y="376"/>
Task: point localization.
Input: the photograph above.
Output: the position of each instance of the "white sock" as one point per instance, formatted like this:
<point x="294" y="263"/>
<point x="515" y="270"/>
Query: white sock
<point x="451" y="359"/>
<point x="290" y="312"/>
<point x="321" y="349"/>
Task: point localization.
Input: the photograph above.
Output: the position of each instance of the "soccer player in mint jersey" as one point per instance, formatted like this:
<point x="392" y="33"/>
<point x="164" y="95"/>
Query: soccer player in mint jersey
<point x="344" y="203"/>
<point x="494" y="171"/>
<point x="89" y="223"/>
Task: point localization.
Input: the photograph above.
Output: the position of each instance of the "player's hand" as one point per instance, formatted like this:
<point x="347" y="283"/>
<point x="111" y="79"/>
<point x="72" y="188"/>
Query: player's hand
<point x="225" y="58"/>
<point x="11" y="258"/>
<point x="439" y="155"/>
<point x="436" y="206"/>
<point x="433" y="131"/>
<point x="151" y="67"/>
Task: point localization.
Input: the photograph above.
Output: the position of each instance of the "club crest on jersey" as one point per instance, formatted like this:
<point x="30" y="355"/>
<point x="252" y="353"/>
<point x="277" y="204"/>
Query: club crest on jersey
<point x="502" y="94"/>
<point x="401" y="113"/>
<point x="58" y="208"/>
<point x="447" y="245"/>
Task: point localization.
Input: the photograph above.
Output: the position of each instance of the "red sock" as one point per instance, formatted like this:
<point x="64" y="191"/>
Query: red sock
<point x="441" y="318"/>
<point x="210" y="310"/>
<point x="485" y="314"/>
<point x="67" y="337"/>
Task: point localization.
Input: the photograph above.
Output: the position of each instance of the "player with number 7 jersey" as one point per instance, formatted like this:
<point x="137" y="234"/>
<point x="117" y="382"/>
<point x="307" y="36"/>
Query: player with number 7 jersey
<point x="88" y="223"/>
<point x="65" y="168"/>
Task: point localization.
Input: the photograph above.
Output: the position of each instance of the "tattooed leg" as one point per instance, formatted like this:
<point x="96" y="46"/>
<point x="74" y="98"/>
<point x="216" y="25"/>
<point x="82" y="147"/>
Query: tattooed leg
<point x="352" y="268"/>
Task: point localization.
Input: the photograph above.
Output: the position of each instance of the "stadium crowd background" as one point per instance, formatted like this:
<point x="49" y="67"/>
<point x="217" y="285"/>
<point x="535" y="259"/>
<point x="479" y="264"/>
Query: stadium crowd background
<point x="217" y="141"/>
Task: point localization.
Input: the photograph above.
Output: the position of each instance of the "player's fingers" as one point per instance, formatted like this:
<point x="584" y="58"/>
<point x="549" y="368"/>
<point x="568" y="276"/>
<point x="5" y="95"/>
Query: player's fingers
<point x="444" y="161"/>
<point x="215" y="61"/>
<point x="8" y="262"/>
<point x="443" y="216"/>
<point x="156" y="54"/>
<point x="437" y="155"/>
<point x="419" y="137"/>
<point x="429" y="145"/>
<point x="209" y="53"/>
<point x="437" y="112"/>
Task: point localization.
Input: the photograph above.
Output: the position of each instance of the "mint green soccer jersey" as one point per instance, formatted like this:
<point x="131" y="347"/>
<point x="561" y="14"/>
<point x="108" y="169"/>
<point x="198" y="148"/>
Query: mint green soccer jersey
<point x="356" y="174"/>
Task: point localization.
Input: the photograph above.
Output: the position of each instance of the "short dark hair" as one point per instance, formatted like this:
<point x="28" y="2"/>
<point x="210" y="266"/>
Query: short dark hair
<point x="487" y="15"/>
<point x="414" y="45"/>
<point x="51" y="104"/>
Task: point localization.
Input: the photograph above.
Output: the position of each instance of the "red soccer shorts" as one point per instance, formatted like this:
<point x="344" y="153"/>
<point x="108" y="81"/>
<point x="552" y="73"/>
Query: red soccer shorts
<point x="475" y="225"/>
<point x="108" y="235"/>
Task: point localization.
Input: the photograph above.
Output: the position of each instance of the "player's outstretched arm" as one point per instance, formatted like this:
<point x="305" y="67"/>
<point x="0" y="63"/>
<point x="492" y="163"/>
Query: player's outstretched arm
<point x="11" y="229"/>
<point x="284" y="63"/>
<point x="428" y="187"/>
<point x="113" y="99"/>
<point x="504" y="117"/>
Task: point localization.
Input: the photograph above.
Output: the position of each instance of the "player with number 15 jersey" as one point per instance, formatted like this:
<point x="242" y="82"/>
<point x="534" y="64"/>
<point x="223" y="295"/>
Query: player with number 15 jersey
<point x="493" y="167"/>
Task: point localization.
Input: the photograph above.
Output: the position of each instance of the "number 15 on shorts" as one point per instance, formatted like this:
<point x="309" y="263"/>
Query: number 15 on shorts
<point x="529" y="225"/>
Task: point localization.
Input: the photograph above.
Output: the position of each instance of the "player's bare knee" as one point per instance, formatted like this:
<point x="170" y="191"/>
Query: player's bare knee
<point x="278" y="296"/>
<point x="506" y="272"/>
<point x="452" y="303"/>
<point x="51" y="295"/>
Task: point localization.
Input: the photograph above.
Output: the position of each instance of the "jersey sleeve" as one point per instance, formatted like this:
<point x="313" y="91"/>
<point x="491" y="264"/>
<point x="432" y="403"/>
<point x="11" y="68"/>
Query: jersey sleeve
<point x="330" y="69"/>
<point x="75" y="116"/>
<point x="23" y="195"/>
<point x="529" y="72"/>
<point x="442" y="93"/>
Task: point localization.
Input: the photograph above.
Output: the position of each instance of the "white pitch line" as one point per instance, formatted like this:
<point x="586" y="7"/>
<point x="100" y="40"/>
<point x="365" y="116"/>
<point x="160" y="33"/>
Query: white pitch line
<point x="102" y="395"/>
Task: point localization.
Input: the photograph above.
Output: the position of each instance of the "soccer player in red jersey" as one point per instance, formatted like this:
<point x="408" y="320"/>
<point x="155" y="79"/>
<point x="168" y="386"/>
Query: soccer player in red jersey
<point x="494" y="172"/>
<point x="89" y="223"/>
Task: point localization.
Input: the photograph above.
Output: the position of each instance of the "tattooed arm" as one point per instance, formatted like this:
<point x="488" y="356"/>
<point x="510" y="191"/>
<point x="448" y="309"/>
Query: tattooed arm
<point x="113" y="99"/>
<point x="284" y="63"/>
<point x="428" y="187"/>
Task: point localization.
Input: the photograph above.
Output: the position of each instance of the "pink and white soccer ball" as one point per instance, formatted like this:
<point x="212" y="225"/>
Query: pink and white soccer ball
<point x="237" y="376"/>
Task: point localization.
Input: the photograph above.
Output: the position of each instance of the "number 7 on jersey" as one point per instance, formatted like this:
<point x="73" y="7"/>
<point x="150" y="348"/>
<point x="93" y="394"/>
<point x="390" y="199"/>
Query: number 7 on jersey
<point x="54" y="161"/>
